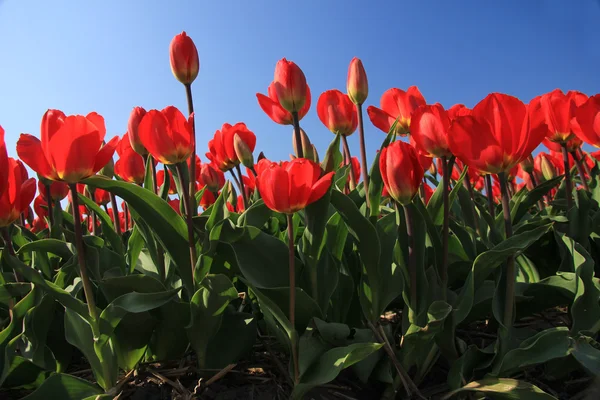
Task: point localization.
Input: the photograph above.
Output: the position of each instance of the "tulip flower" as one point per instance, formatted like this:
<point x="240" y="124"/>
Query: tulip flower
<point x="212" y="177"/>
<point x="429" y="130"/>
<point x="71" y="147"/>
<point x="130" y="165"/>
<point x="136" y="116"/>
<point x="185" y="63"/>
<point x="39" y="224"/>
<point x="221" y="146"/>
<point x="290" y="85"/>
<point x="337" y="112"/>
<point x="167" y="135"/>
<point x="208" y="199"/>
<point x="356" y="168"/>
<point x="40" y="206"/>
<point x="18" y="194"/>
<point x="558" y="109"/>
<point x="357" y="84"/>
<point x="587" y="121"/>
<point x="272" y="107"/>
<point x="160" y="180"/>
<point x="399" y="105"/>
<point x="401" y="171"/>
<point x="458" y="110"/>
<point x="243" y="152"/>
<point x="58" y="190"/>
<point x="175" y="205"/>
<point x="3" y="163"/>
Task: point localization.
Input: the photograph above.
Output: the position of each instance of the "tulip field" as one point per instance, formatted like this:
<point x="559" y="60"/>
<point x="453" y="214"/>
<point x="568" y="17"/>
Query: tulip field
<point x="459" y="259"/>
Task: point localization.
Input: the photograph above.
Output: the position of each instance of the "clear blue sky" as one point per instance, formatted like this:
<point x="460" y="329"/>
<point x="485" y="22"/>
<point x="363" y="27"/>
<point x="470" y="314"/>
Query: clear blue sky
<point x="111" y="55"/>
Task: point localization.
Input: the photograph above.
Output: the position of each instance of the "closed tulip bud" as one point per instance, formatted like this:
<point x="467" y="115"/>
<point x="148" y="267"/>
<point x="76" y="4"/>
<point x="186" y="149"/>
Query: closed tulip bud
<point x="548" y="168"/>
<point x="401" y="171"/>
<point x="527" y="164"/>
<point x="184" y="58"/>
<point x="314" y="153"/>
<point x="337" y="113"/>
<point x="357" y="84"/>
<point x="132" y="127"/>
<point x="232" y="194"/>
<point x="212" y="177"/>
<point x="290" y="85"/>
<point x="243" y="152"/>
<point x="306" y="144"/>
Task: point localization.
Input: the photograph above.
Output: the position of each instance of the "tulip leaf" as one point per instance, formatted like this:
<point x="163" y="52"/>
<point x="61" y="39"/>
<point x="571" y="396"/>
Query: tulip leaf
<point x="64" y="387"/>
<point x="435" y="206"/>
<point x="503" y="389"/>
<point x="108" y="229"/>
<point x="167" y="225"/>
<point x="256" y="215"/>
<point x="375" y="179"/>
<point x="54" y="246"/>
<point x="532" y="197"/>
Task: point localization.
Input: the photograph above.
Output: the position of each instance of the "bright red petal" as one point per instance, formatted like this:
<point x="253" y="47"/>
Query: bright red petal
<point x="29" y="149"/>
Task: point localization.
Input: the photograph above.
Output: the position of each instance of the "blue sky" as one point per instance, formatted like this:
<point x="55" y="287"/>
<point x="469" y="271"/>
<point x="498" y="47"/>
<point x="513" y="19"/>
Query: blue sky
<point x="109" y="56"/>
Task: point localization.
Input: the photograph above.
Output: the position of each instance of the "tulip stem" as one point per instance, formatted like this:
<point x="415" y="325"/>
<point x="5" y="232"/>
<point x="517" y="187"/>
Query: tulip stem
<point x="297" y="135"/>
<point x="117" y="222"/>
<point x="490" y="195"/>
<point x="126" y="216"/>
<point x="236" y="180"/>
<point x="580" y="170"/>
<point x="190" y="104"/>
<point x="353" y="180"/>
<point x="534" y="184"/>
<point x="244" y="197"/>
<point x="292" y="272"/>
<point x="9" y="247"/>
<point x="49" y="201"/>
<point x="511" y="271"/>
<point x="188" y="217"/>
<point x="469" y="187"/>
<point x="22" y="219"/>
<point x="160" y="254"/>
<point x="85" y="279"/>
<point x="446" y="227"/>
<point x="363" y="154"/>
<point x="412" y="260"/>
<point x="582" y="156"/>
<point x="568" y="183"/>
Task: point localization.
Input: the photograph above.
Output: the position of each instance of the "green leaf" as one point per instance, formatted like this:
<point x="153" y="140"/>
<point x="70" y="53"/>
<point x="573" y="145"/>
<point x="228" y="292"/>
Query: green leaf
<point x="587" y="355"/>
<point x="218" y="210"/>
<point x="532" y="197"/>
<point x="54" y="246"/>
<point x="503" y="389"/>
<point x="64" y="387"/>
<point x="375" y="181"/>
<point x="327" y="367"/>
<point x="168" y="226"/>
<point x="234" y="339"/>
<point x="435" y="207"/>
<point x="135" y="245"/>
<point x="256" y="215"/>
<point x="108" y="229"/>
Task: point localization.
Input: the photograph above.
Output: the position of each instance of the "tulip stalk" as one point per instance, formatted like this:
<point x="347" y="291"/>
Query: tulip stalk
<point x="117" y="222"/>
<point x="85" y="279"/>
<point x="187" y="204"/>
<point x="511" y="271"/>
<point x="580" y="170"/>
<point x="241" y="184"/>
<point x="161" y="255"/>
<point x="446" y="227"/>
<point x="190" y="104"/>
<point x="490" y="195"/>
<point x="568" y="183"/>
<point x="469" y="187"/>
<point x="49" y="201"/>
<point x="412" y="257"/>
<point x="297" y="135"/>
<point x="292" y="313"/>
<point x="534" y="184"/>
<point x="348" y="161"/>
<point x="363" y="154"/>
<point x="582" y="156"/>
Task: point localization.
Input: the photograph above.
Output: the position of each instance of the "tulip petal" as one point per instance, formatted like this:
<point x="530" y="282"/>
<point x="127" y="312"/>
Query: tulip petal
<point x="105" y="154"/>
<point x="320" y="187"/>
<point x="380" y="118"/>
<point x="274" y="110"/>
<point x="98" y="120"/>
<point x="29" y="149"/>
<point x="3" y="163"/>
<point x="26" y="195"/>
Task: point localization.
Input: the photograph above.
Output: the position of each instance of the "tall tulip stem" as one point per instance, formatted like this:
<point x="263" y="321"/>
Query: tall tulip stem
<point x="85" y="279"/>
<point x="297" y="135"/>
<point x="187" y="204"/>
<point x="159" y="250"/>
<point x="348" y="158"/>
<point x="236" y="180"/>
<point x="126" y="216"/>
<point x="49" y="201"/>
<point x="9" y="247"/>
<point x="568" y="183"/>
<point x="446" y="227"/>
<point x="242" y="188"/>
<point x="580" y="170"/>
<point x="113" y="203"/>
<point x="190" y="104"/>
<point x="511" y="271"/>
<point x="412" y="258"/>
<point x="534" y="184"/>
<point x="363" y="153"/>
<point x="582" y="156"/>
<point x="292" y="271"/>
<point x="469" y="187"/>
<point x="490" y="195"/>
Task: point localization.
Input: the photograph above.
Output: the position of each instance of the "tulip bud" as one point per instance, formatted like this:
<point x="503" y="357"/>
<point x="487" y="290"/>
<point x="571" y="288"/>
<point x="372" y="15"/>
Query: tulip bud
<point x="290" y="85"/>
<point x="232" y="194"/>
<point x="315" y="155"/>
<point x="357" y="84"/>
<point x="184" y="58"/>
<point x="212" y="177"/>
<point x="132" y="127"/>
<point x="548" y="168"/>
<point x="332" y="156"/>
<point x="307" y="146"/>
<point x="527" y="164"/>
<point x="243" y="152"/>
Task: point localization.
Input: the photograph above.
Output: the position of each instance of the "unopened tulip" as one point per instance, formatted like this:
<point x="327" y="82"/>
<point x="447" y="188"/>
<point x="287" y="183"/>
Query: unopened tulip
<point x="401" y="171"/>
<point x="58" y="190"/>
<point x="70" y="149"/>
<point x="290" y="85"/>
<point x="527" y="164"/>
<point x="243" y="152"/>
<point x="357" y="84"/>
<point x="308" y="149"/>
<point x="337" y="112"/>
<point x="136" y="116"/>
<point x="184" y="58"/>
<point x="212" y="177"/>
<point x="396" y="104"/>
<point x="547" y="167"/>
<point x="221" y="150"/>
<point x="130" y="165"/>
<point x="18" y="194"/>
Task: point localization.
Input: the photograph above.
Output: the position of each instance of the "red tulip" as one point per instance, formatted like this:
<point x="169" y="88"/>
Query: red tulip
<point x="496" y="136"/>
<point x="428" y="193"/>
<point x="292" y="185"/>
<point x="356" y="169"/>
<point x="221" y="148"/>
<point x="184" y="58"/>
<point x="337" y="112"/>
<point x="454" y="174"/>
<point x="175" y="205"/>
<point x="160" y="180"/>
<point x="101" y="197"/>
<point x="357" y="84"/>
<point x="136" y="116"/>
<point x="429" y="130"/>
<point x="18" y="193"/>
<point x="3" y="163"/>
<point x="290" y="85"/>
<point x="39" y="224"/>
<point x="558" y="110"/>
<point x="167" y="135"/>
<point x="271" y="106"/>
<point x="398" y="105"/>
<point x="401" y="171"/>
<point x="548" y="165"/>
<point x="212" y="177"/>
<point x="58" y="190"/>
<point x="71" y="147"/>
<point x="207" y="200"/>
<point x="572" y="144"/>
<point x="249" y="184"/>
<point x="588" y="121"/>
<point x="130" y="165"/>
<point x="40" y="206"/>
<point x="198" y="166"/>
<point x="458" y="110"/>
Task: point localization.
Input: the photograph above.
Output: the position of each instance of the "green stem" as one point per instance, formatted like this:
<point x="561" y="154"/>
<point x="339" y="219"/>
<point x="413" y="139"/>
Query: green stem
<point x="363" y="154"/>
<point x="190" y="104"/>
<point x="292" y="313"/>
<point x="49" y="201"/>
<point x="188" y="217"/>
<point x="85" y="279"/>
<point x="490" y="195"/>
<point x="511" y="271"/>
<point x="244" y="197"/>
<point x="568" y="183"/>
<point x="297" y="135"/>
<point x="580" y="170"/>
<point x="353" y="180"/>
<point x="446" y="227"/>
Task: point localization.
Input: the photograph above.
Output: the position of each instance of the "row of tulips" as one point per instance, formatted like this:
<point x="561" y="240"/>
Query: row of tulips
<point x="346" y="229"/>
